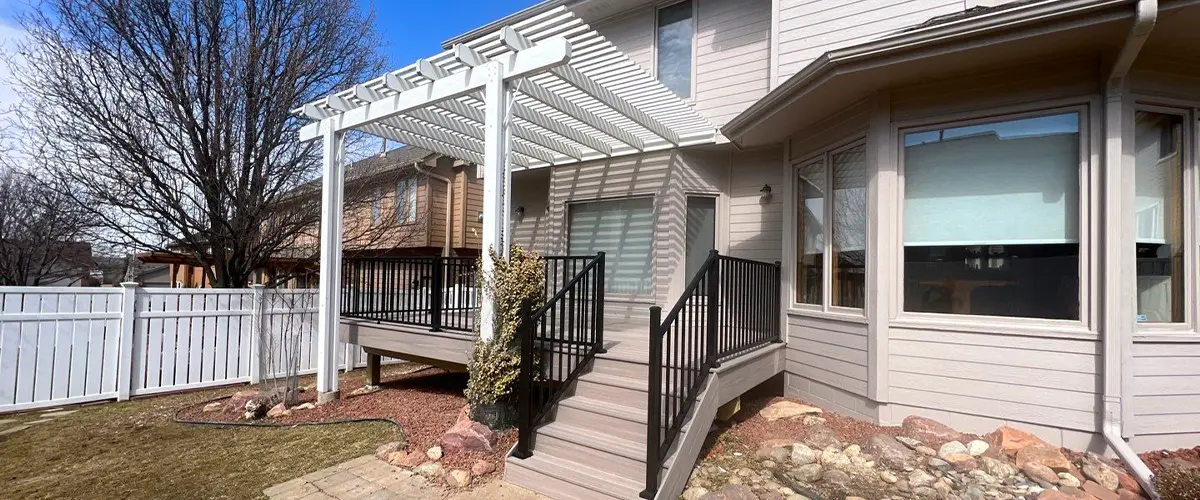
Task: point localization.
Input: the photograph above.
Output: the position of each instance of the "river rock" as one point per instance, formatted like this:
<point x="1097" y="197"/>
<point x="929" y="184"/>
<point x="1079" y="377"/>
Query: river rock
<point x="809" y="473"/>
<point x="821" y="437"/>
<point x="802" y="454"/>
<point x="434" y="453"/>
<point x="428" y="469"/>
<point x="962" y="462"/>
<point x="890" y="452"/>
<point x="1068" y="479"/>
<point x="1044" y="476"/>
<point x="385" y="450"/>
<point x="977" y="447"/>
<point x="457" y="478"/>
<point x="997" y="468"/>
<point x="919" y="478"/>
<point x="952" y="448"/>
<point x="1095" y="469"/>
<point x="482" y="468"/>
<point x="776" y="453"/>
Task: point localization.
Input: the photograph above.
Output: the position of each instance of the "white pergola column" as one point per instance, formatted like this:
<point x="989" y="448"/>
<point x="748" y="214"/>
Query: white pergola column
<point x="329" y="297"/>
<point x="495" y="171"/>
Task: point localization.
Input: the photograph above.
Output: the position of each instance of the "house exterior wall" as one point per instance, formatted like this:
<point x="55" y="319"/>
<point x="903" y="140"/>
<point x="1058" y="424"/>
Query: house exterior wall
<point x="808" y="28"/>
<point x="972" y="372"/>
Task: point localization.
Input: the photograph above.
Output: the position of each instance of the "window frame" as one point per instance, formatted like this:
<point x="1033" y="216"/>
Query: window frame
<point x="402" y="201"/>
<point x="826" y="157"/>
<point x="1089" y="178"/>
<point x="654" y="212"/>
<point x="1191" y="188"/>
<point x="691" y="98"/>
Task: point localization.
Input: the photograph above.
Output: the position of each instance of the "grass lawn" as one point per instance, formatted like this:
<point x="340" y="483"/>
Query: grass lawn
<point x="132" y="449"/>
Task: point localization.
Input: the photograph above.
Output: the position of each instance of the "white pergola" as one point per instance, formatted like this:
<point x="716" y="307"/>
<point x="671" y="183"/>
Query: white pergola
<point x="545" y="91"/>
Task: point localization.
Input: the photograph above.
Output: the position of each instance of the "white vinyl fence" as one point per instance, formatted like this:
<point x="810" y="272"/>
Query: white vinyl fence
<point x="73" y="345"/>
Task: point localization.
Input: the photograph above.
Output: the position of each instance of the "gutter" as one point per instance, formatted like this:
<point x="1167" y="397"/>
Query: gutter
<point x="449" y="205"/>
<point x="1115" y="342"/>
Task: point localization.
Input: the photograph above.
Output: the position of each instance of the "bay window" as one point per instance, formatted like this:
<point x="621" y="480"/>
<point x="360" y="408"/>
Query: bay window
<point x="1159" y="214"/>
<point x="991" y="218"/>
<point x="624" y="230"/>
<point x="840" y="279"/>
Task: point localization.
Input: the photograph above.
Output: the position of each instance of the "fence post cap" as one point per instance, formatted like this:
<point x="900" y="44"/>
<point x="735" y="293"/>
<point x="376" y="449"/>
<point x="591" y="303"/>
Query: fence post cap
<point x="258" y="286"/>
<point x="129" y="284"/>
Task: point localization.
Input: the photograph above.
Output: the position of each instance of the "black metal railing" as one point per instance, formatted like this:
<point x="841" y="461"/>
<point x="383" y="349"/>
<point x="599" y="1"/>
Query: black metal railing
<point x="435" y="292"/>
<point x="730" y="306"/>
<point x="558" y="339"/>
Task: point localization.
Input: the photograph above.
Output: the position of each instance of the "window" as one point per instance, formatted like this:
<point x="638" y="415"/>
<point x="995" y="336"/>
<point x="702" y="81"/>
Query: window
<point x="406" y="200"/>
<point x="844" y="238"/>
<point x="377" y="208"/>
<point x="700" y="235"/>
<point x="1158" y="183"/>
<point x="991" y="218"/>
<point x="674" y="49"/>
<point x="624" y="230"/>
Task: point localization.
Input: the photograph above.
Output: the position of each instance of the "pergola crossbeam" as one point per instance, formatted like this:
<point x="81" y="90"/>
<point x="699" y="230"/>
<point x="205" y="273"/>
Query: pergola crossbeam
<point x="556" y="101"/>
<point x="535" y="117"/>
<point x="612" y="100"/>
<point x="422" y="142"/>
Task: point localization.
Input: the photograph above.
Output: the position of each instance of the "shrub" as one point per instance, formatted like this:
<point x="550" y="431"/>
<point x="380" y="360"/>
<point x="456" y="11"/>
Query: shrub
<point x="496" y="363"/>
<point x="1178" y="483"/>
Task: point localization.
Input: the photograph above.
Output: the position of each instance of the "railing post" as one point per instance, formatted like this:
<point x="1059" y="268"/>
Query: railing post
<point x="714" y="297"/>
<point x="436" y="292"/>
<point x="654" y="405"/>
<point x="778" y="309"/>
<point x="125" y="357"/>
<point x="525" y="384"/>
<point x="600" y="303"/>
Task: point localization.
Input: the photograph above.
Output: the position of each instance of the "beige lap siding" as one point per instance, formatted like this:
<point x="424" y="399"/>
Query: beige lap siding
<point x="827" y="364"/>
<point x="1166" y="389"/>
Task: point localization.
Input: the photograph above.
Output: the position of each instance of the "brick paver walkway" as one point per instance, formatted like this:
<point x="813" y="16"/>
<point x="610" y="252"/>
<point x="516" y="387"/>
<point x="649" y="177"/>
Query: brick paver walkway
<point x="368" y="478"/>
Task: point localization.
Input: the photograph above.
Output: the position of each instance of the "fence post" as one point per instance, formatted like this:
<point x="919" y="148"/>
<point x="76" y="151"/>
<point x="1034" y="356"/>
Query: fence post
<point x="436" y="293"/>
<point x="714" y="297"/>
<point x="257" y="309"/>
<point x="525" y="384"/>
<point x="125" y="353"/>
<point x="654" y="405"/>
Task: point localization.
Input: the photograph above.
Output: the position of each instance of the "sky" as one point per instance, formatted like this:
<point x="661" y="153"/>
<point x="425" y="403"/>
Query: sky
<point x="409" y="29"/>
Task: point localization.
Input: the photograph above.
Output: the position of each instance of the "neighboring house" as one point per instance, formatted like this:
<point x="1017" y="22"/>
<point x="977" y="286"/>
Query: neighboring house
<point x="986" y="211"/>
<point x="411" y="202"/>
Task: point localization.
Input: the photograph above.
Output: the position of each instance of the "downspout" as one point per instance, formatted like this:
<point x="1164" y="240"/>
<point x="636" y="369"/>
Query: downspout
<point x="449" y="205"/>
<point x="1114" y="338"/>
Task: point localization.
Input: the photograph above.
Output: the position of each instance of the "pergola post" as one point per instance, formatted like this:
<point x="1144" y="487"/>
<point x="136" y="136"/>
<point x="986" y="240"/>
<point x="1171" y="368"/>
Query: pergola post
<point x="329" y="297"/>
<point x="495" y="164"/>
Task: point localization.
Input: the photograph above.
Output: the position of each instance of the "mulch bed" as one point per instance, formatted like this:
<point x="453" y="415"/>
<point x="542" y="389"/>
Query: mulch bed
<point x="425" y="401"/>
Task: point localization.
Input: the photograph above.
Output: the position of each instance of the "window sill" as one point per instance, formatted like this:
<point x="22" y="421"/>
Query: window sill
<point x="1176" y="337"/>
<point x="827" y="315"/>
<point x="997" y="326"/>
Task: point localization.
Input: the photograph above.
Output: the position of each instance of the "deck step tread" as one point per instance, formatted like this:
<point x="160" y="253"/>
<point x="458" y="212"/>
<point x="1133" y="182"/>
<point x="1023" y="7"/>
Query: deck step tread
<point x="595" y="439"/>
<point x="615" y="381"/>
<point x="608" y="408"/>
<point x="565" y="469"/>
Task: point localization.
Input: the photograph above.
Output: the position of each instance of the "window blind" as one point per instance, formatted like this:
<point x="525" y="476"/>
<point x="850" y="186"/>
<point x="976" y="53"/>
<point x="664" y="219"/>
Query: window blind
<point x="624" y="230"/>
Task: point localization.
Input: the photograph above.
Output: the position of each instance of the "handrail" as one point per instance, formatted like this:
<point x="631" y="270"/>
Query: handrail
<point x="435" y="292"/>
<point x="734" y="314"/>
<point x="571" y="325"/>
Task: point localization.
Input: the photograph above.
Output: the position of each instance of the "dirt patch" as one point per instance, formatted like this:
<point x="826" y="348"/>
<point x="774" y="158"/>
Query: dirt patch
<point x="425" y="402"/>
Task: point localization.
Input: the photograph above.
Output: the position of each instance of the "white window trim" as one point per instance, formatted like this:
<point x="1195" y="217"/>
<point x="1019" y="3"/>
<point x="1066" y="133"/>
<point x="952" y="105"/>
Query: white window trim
<point x="826" y="306"/>
<point x="1089" y="177"/>
<point x="658" y="7"/>
<point x="1191" y="178"/>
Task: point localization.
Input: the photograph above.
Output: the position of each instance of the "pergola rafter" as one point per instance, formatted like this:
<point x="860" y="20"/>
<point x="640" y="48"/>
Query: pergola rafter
<point x="544" y="91"/>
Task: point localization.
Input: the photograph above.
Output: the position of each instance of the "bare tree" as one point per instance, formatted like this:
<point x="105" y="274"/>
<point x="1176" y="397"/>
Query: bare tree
<point x="171" y="119"/>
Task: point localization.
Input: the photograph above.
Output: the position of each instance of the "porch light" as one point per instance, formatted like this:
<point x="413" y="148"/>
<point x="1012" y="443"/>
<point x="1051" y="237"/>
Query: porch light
<point x="765" y="191"/>
<point x="520" y="211"/>
<point x="479" y="215"/>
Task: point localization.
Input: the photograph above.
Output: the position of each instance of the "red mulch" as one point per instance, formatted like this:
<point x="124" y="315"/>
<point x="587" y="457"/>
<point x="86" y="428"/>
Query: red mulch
<point x="426" y="402"/>
<point x="1154" y="459"/>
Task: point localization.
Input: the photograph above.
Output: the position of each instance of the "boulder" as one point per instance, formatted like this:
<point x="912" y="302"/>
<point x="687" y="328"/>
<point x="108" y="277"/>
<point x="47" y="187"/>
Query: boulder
<point x="1095" y="469"/>
<point x="1094" y="489"/>
<point x="385" y="450"/>
<point x="731" y="492"/>
<point x="997" y="468"/>
<point x="962" y="462"/>
<point x="890" y="452"/>
<point x="977" y="447"/>
<point x="928" y="431"/>
<point x="1050" y="457"/>
<point x="803" y="455"/>
<point x="1043" y="475"/>
<point x="952" y="448"/>
<point x="820" y="437"/>
<point x="1010" y="440"/>
<point x="457" y="478"/>
<point x="468" y="435"/>
<point x="434" y="453"/>
<point x="787" y="409"/>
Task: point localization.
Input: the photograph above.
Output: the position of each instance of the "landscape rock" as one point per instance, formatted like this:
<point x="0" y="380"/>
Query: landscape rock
<point x="279" y="410"/>
<point x="428" y="469"/>
<point x="1010" y="440"/>
<point x="832" y="458"/>
<point x="304" y="406"/>
<point x="802" y="454"/>
<point x="890" y="451"/>
<point x="731" y="492"/>
<point x="888" y="476"/>
<point x="813" y="420"/>
<point x="787" y="409"/>
<point x="928" y="431"/>
<point x="997" y="468"/>
<point x="919" y="478"/>
<point x="909" y="442"/>
<point x="1068" y="479"/>
<point x="468" y="435"/>
<point x="776" y="453"/>
<point x="255" y="408"/>
<point x="1130" y="483"/>
<point x="1095" y="469"/>
<point x="853" y="451"/>
<point x="694" y="493"/>
<point x="927" y="451"/>
<point x="482" y="468"/>
<point x="211" y="407"/>
<point x="385" y="450"/>
<point x="1050" y="457"/>
<point x="434" y="453"/>
<point x="821" y="437"/>
<point x="457" y="478"/>
<point x="809" y="473"/>
<point x="1055" y="495"/>
<point x="1045" y="476"/>
<point x="366" y="389"/>
<point x="962" y="462"/>
<point x="836" y="478"/>
<point x="977" y="447"/>
<point x="1095" y="489"/>
<point x="1125" y="494"/>
<point x="407" y="460"/>
<point x="952" y="448"/>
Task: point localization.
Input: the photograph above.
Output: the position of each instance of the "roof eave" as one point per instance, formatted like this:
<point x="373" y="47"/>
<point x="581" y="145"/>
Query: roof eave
<point x="941" y="34"/>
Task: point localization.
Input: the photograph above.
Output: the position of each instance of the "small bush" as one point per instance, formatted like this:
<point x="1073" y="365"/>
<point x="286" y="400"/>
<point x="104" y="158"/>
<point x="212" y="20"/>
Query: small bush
<point x="1178" y="483"/>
